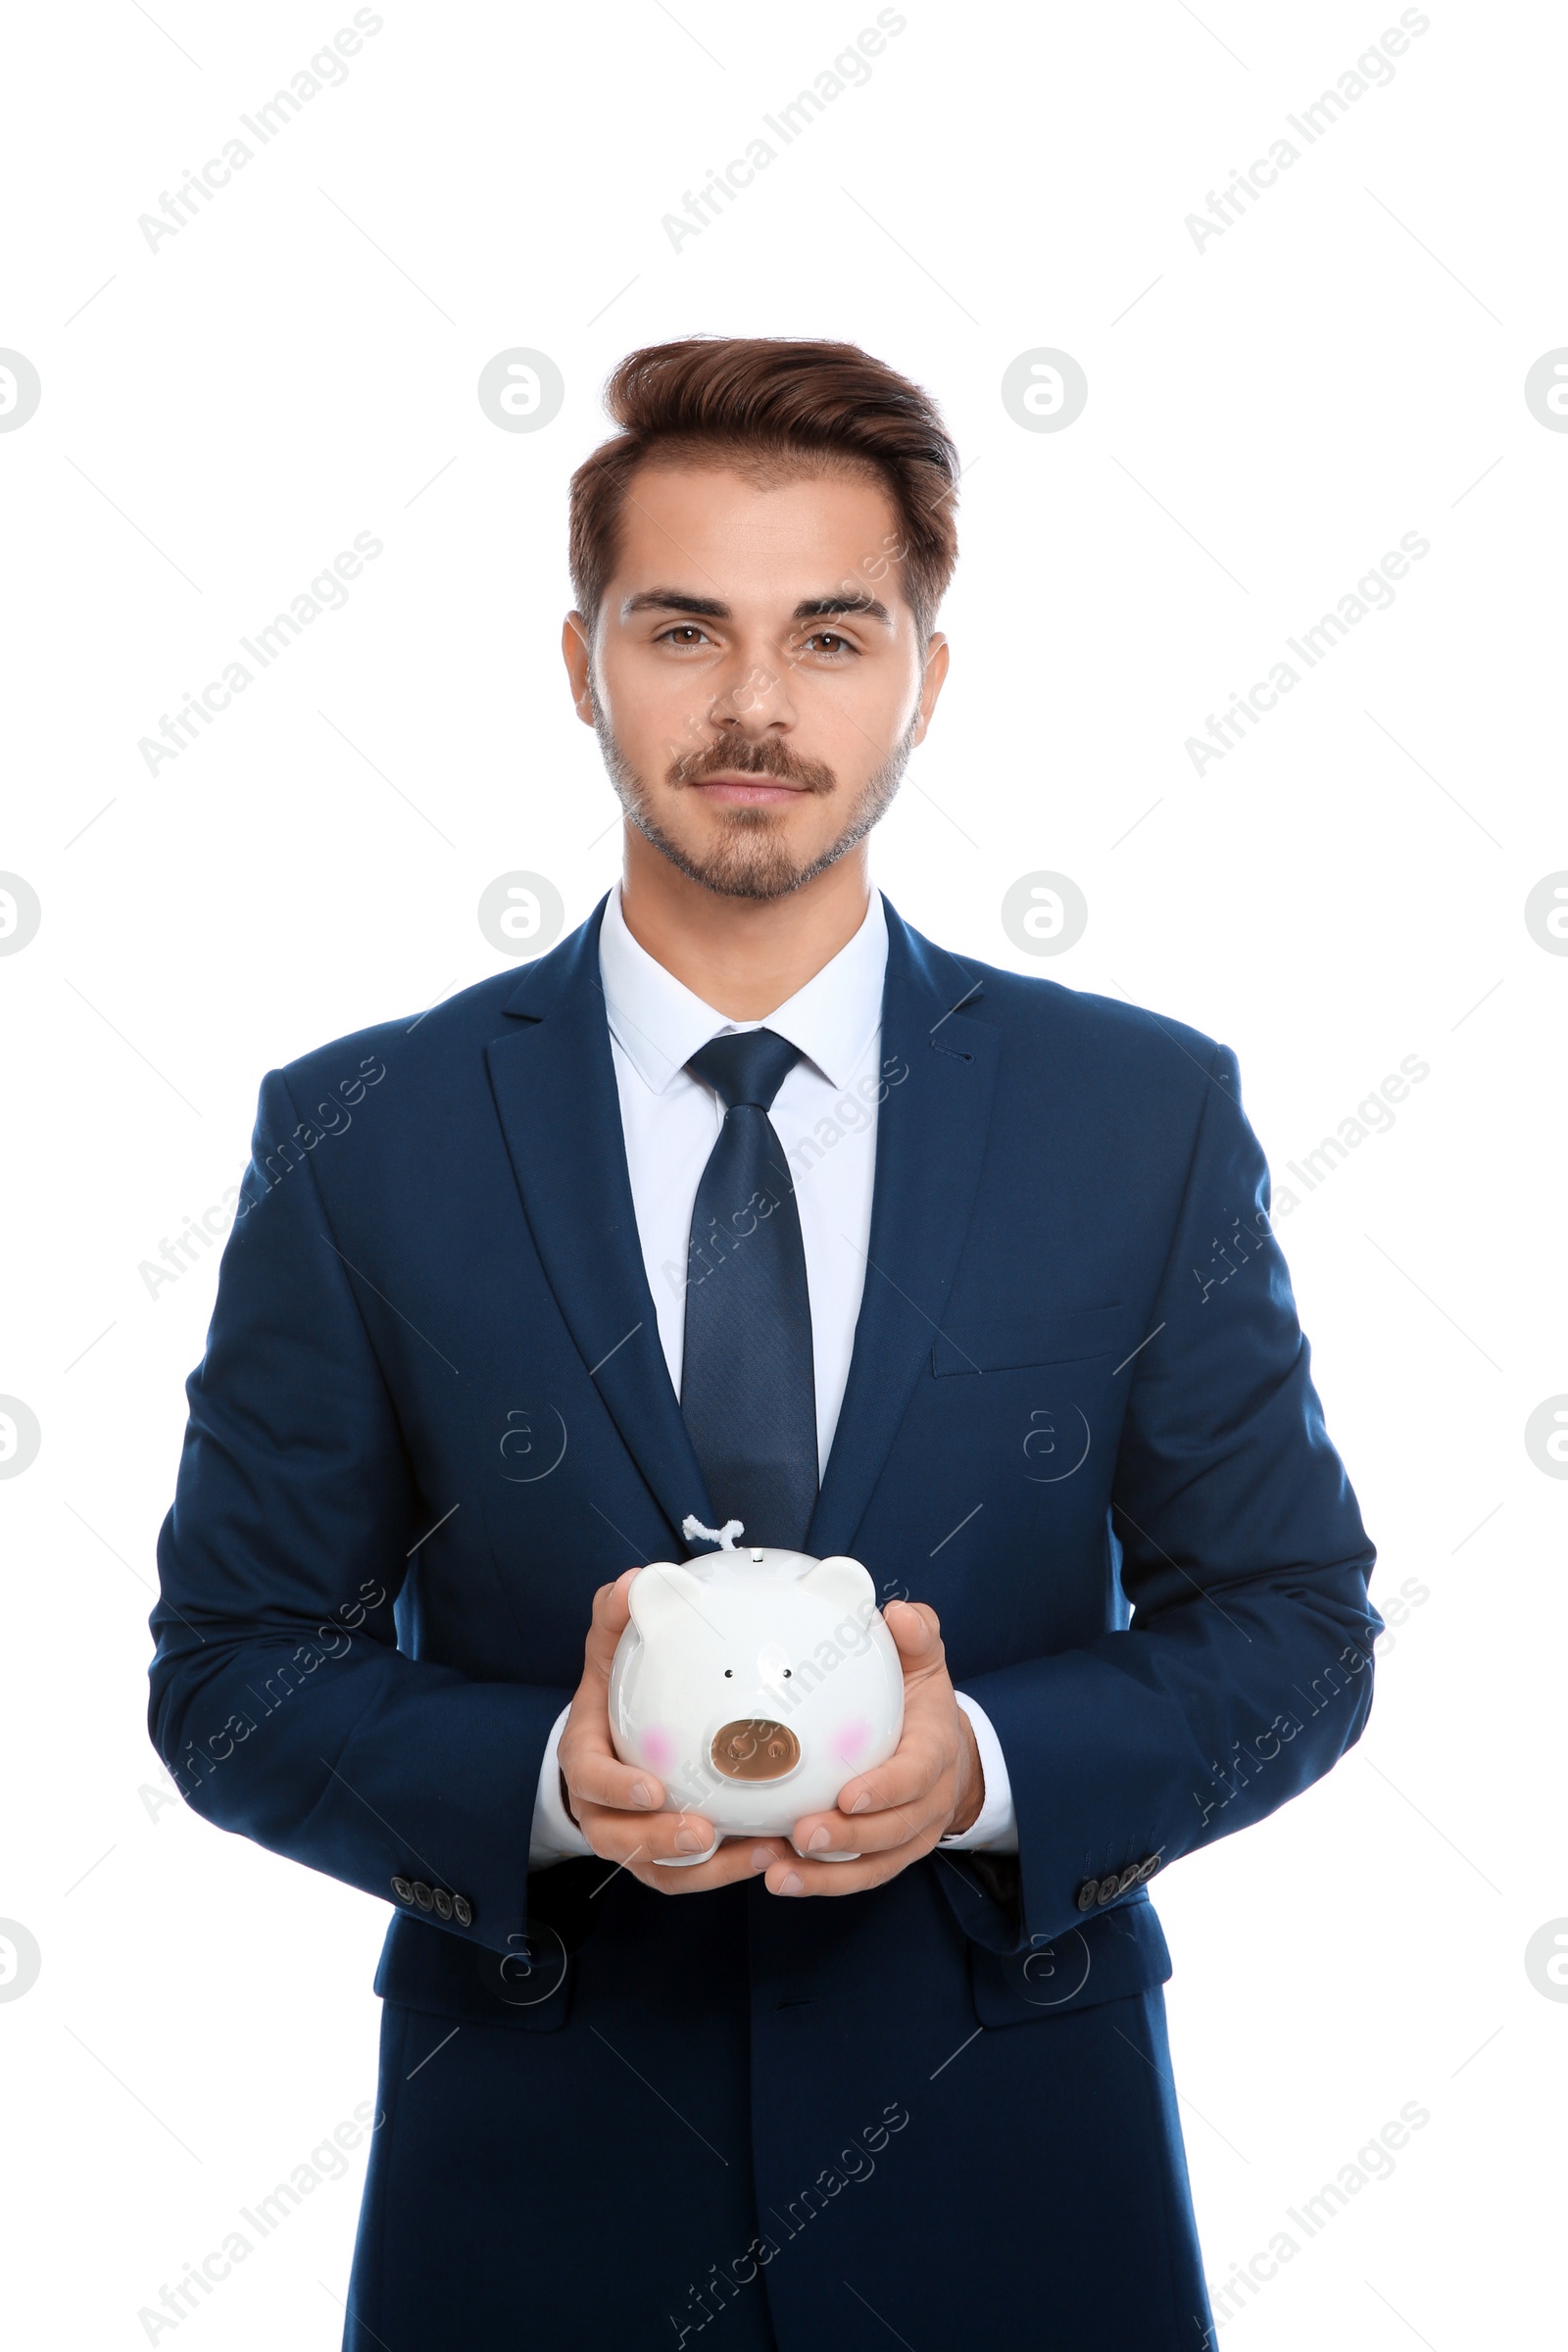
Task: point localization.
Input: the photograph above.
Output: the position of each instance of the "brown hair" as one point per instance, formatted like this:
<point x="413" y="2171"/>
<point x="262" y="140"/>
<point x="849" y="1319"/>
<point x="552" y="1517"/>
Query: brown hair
<point x="765" y="402"/>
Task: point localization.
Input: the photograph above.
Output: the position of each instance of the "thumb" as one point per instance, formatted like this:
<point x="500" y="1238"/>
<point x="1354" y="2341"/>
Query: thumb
<point x="611" y="1618"/>
<point x="917" y="1631"/>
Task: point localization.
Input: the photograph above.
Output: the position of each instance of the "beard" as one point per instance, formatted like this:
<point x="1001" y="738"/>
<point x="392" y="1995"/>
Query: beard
<point x="750" y="857"/>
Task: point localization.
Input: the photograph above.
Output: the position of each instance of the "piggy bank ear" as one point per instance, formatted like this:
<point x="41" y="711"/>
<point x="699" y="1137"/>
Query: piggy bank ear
<point x="661" y="1593"/>
<point x="841" y="1582"/>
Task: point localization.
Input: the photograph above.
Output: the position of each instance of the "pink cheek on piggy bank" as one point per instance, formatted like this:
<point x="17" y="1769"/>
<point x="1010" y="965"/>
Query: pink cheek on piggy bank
<point x="849" y="1738"/>
<point x="658" y="1747"/>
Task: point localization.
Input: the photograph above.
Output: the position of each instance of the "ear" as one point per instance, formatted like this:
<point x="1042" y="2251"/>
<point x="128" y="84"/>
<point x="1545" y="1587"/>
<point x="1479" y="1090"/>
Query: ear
<point x="934" y="672"/>
<point x="660" y="1594"/>
<point x="841" y="1582"/>
<point x="576" y="646"/>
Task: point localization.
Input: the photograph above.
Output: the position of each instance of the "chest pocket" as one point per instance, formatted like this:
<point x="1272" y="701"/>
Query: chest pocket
<point x="1019" y="1343"/>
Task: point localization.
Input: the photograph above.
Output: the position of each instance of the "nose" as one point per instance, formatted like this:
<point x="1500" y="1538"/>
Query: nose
<point x="754" y="704"/>
<point x="755" y="1750"/>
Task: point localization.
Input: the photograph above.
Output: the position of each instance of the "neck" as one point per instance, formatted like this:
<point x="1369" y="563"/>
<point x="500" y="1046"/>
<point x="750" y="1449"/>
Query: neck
<point x="744" y="956"/>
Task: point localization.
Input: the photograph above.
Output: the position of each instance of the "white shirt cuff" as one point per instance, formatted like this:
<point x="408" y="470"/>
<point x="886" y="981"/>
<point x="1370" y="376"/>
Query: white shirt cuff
<point x="554" y="1836"/>
<point x="994" y="1828"/>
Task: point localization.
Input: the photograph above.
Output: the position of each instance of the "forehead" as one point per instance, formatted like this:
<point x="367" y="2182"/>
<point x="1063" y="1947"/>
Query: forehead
<point x="755" y="538"/>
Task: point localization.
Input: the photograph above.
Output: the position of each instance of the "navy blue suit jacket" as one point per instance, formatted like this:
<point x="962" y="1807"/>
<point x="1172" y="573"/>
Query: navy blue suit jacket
<point x="434" y="1415"/>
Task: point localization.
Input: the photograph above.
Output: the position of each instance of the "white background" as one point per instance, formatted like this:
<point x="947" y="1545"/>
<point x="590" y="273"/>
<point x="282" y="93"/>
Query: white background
<point x="1343" y="366"/>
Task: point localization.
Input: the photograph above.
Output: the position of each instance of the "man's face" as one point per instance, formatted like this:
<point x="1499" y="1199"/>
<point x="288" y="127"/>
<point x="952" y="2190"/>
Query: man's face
<point x="754" y="678"/>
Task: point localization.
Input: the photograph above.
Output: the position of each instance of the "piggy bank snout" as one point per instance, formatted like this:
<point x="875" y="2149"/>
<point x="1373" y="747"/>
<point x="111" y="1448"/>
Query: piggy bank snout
<point x="754" y="1748"/>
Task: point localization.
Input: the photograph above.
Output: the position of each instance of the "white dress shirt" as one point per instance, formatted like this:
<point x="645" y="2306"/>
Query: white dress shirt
<point x="824" y="1114"/>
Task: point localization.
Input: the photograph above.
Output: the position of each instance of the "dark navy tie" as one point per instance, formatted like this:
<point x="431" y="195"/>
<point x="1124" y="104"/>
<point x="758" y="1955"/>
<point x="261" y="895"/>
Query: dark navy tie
<point x="748" y="1391"/>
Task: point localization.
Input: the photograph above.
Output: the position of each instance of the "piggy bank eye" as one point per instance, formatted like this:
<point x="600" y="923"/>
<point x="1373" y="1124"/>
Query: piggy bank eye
<point x="729" y="1674"/>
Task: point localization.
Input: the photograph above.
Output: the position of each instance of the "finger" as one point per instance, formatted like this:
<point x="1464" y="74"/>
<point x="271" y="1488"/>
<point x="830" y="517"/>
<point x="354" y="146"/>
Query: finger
<point x="913" y="1769"/>
<point x="874" y="1832"/>
<point x="879" y="1832"/>
<point x="795" y="1876"/>
<point x="664" y="1836"/>
<point x="737" y="1858"/>
<point x="916" y="1627"/>
<point x="596" y="1775"/>
<point x="610" y="1617"/>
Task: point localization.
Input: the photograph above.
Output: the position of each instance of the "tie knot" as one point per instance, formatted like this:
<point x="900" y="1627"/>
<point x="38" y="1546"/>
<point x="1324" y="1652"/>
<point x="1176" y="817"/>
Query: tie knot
<point x="745" y="1066"/>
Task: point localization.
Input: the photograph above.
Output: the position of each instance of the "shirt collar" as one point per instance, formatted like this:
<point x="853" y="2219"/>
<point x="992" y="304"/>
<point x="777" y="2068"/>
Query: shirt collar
<point x="659" y="1023"/>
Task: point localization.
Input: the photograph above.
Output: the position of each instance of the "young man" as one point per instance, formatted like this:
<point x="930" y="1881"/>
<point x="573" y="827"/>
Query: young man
<point x="1000" y="1315"/>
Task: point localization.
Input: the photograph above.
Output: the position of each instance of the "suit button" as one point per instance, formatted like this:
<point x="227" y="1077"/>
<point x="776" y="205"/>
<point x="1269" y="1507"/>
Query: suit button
<point x="1104" y="1893"/>
<point x="462" y="1910"/>
<point x="422" y="1895"/>
<point x="443" y="1903"/>
<point x="1147" y="1870"/>
<point x="403" y="1891"/>
<point x="1088" y="1894"/>
<point x="1129" y="1877"/>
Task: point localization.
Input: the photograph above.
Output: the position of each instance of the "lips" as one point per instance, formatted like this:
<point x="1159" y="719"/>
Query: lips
<point x="747" y="792"/>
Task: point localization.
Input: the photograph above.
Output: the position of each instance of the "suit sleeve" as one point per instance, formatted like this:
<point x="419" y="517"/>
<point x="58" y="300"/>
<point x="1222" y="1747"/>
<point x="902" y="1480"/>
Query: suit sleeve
<point x="1246" y="1668"/>
<point x="279" y="1699"/>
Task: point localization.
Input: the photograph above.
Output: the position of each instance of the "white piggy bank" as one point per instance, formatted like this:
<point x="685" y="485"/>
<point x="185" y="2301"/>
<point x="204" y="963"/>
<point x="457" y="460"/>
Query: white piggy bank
<point x="755" y="1684"/>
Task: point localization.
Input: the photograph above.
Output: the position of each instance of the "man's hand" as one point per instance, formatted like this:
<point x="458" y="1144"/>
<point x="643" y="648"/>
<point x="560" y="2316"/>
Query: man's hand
<point x="618" y="1807"/>
<point x="931" y="1784"/>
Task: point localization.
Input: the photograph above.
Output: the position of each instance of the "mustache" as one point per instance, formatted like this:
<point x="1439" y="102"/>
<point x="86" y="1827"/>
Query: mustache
<point x="764" y="758"/>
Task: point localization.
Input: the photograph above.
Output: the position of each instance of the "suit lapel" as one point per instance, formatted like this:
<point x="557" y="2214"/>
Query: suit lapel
<point x="931" y="1137"/>
<point x="554" y="1081"/>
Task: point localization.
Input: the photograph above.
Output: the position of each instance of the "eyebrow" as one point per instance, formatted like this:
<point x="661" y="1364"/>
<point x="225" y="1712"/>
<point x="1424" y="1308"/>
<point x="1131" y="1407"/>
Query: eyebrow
<point x="710" y="607"/>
